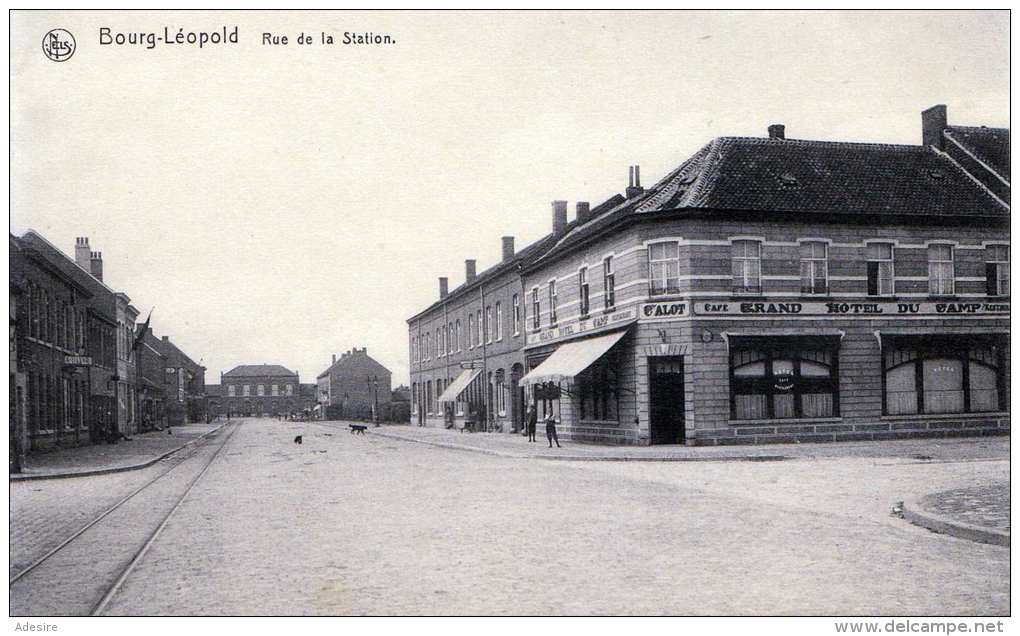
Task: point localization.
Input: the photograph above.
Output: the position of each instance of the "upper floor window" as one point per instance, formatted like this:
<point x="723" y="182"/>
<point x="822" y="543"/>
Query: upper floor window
<point x="536" y="306"/>
<point x="814" y="268"/>
<point x="488" y="324"/>
<point x="290" y="389"/>
<point x="275" y="390"/>
<point x="997" y="270"/>
<point x="449" y="338"/>
<point x="458" y="335"/>
<point x="261" y="390"/>
<point x="517" y="314"/>
<point x="246" y="390"/>
<point x="608" y="283"/>
<point x="941" y="276"/>
<point x="471" y="331"/>
<point x="498" y="325"/>
<point x="746" y="267"/>
<point x="881" y="281"/>
<point x="582" y="284"/>
<point x="664" y="268"/>
<point x="552" y="302"/>
<point x="231" y="390"/>
<point x="479" y="326"/>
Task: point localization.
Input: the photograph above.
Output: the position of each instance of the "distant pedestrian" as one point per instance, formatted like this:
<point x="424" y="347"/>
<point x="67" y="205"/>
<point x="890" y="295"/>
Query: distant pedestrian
<point x="532" y="422"/>
<point x="550" y="431"/>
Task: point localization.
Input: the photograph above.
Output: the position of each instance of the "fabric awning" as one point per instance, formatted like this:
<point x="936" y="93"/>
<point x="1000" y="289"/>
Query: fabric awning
<point x="463" y="381"/>
<point x="572" y="358"/>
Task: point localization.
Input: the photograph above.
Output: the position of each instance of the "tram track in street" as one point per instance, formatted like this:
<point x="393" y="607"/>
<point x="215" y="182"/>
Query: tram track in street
<point x="40" y="588"/>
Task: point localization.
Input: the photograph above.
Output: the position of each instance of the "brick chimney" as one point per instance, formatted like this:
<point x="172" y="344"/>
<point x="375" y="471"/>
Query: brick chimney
<point x="96" y="265"/>
<point x="933" y="123"/>
<point x="634" y="188"/>
<point x="583" y="211"/>
<point x="82" y="253"/>
<point x="508" y="248"/>
<point x="777" y="131"/>
<point x="444" y="287"/>
<point x="559" y="210"/>
<point x="469" y="270"/>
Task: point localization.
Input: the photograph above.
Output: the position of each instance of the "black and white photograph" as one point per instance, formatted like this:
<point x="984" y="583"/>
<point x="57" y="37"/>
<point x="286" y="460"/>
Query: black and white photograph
<point x="499" y="313"/>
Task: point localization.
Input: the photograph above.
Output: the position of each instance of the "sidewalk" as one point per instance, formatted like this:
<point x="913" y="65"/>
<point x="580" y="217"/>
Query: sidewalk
<point x="517" y="446"/>
<point x="143" y="450"/>
<point x="977" y="513"/>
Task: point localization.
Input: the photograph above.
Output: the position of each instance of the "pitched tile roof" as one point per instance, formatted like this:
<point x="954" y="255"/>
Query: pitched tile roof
<point x="822" y="177"/>
<point x="258" y="370"/>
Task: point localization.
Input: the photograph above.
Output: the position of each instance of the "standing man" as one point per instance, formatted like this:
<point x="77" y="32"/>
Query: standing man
<point x="532" y="424"/>
<point x="550" y="430"/>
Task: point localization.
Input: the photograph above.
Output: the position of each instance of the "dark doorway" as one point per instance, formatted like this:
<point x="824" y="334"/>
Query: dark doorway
<point x="666" y="397"/>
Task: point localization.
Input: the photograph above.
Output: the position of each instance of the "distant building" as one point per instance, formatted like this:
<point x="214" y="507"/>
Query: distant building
<point x="255" y="390"/>
<point x="184" y="382"/>
<point x="152" y="395"/>
<point x="355" y="385"/>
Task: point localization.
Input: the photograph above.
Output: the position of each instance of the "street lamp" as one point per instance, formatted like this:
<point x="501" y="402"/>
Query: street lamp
<point x="373" y="383"/>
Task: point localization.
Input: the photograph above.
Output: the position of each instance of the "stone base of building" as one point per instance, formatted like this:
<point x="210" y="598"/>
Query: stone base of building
<point x="596" y="433"/>
<point x="50" y="442"/>
<point x="887" y="428"/>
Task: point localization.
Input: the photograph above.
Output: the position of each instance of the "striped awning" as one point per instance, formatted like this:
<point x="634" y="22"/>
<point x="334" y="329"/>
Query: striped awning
<point x="572" y="358"/>
<point x="458" y="386"/>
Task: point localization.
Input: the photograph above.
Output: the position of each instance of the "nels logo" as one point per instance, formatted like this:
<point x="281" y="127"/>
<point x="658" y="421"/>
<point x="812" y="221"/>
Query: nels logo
<point x="58" y="45"/>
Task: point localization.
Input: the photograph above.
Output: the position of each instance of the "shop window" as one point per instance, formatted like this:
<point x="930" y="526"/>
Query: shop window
<point x="783" y="378"/>
<point x="664" y="268"/>
<point x="608" y="283"/>
<point x="596" y="391"/>
<point x="582" y="286"/>
<point x="941" y="277"/>
<point x="746" y="267"/>
<point x="943" y="375"/>
<point x="881" y="281"/>
<point x="814" y="268"/>
<point x="997" y="270"/>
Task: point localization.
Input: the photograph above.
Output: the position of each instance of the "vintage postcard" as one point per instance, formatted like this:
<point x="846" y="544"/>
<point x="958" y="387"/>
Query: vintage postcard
<point x="511" y="313"/>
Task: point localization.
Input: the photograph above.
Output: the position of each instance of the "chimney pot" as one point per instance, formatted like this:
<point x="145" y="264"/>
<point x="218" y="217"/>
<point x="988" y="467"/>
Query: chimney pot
<point x="634" y="189"/>
<point x="777" y="131"/>
<point x="82" y="254"/>
<point x="583" y="212"/>
<point x="444" y="286"/>
<point x="469" y="270"/>
<point x="933" y="123"/>
<point x="559" y="209"/>
<point x="508" y="248"/>
<point x="96" y="265"/>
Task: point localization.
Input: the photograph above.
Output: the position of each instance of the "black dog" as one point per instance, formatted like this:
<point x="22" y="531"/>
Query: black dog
<point x="358" y="428"/>
<point x="297" y="440"/>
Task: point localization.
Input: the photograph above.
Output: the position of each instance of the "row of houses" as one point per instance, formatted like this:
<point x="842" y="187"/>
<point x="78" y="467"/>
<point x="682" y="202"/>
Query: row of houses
<point x="83" y="367"/>
<point x="765" y="290"/>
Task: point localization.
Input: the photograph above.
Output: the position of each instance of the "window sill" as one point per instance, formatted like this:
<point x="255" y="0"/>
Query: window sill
<point x="943" y="416"/>
<point x="609" y="310"/>
<point x="787" y="420"/>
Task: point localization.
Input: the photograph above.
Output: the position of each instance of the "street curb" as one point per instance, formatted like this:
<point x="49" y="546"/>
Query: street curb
<point x="584" y="458"/>
<point x="115" y="469"/>
<point x="917" y="515"/>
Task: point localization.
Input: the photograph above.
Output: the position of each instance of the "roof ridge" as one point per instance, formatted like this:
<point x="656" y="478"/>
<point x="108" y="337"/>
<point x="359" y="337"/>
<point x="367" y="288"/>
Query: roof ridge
<point x="989" y="128"/>
<point x="832" y="142"/>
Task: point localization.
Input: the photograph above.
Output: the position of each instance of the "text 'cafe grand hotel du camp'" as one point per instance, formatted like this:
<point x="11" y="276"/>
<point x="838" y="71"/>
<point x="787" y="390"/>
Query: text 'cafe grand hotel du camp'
<point x="766" y="290"/>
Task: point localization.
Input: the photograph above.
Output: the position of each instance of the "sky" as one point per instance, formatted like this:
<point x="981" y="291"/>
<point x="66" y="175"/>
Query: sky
<point x="282" y="203"/>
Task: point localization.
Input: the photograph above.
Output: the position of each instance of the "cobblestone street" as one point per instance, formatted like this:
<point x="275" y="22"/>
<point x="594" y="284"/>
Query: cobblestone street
<point x="348" y="524"/>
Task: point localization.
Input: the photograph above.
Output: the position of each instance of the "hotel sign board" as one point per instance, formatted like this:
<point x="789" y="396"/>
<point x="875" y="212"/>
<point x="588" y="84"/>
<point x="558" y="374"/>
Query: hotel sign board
<point x="868" y="308"/>
<point x="78" y="361"/>
<point x="586" y="326"/>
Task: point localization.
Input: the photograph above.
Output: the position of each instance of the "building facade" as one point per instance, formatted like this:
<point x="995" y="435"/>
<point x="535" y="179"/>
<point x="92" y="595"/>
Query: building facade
<point x="256" y="390"/>
<point x="152" y="390"/>
<point x="779" y="290"/>
<point x="183" y="385"/>
<point x="355" y="385"/>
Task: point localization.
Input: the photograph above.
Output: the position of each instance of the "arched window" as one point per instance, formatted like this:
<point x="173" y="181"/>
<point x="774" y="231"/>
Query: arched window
<point x="943" y="374"/>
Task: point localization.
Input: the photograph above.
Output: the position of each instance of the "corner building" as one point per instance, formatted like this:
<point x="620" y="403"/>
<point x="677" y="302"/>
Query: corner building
<point x="781" y="290"/>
